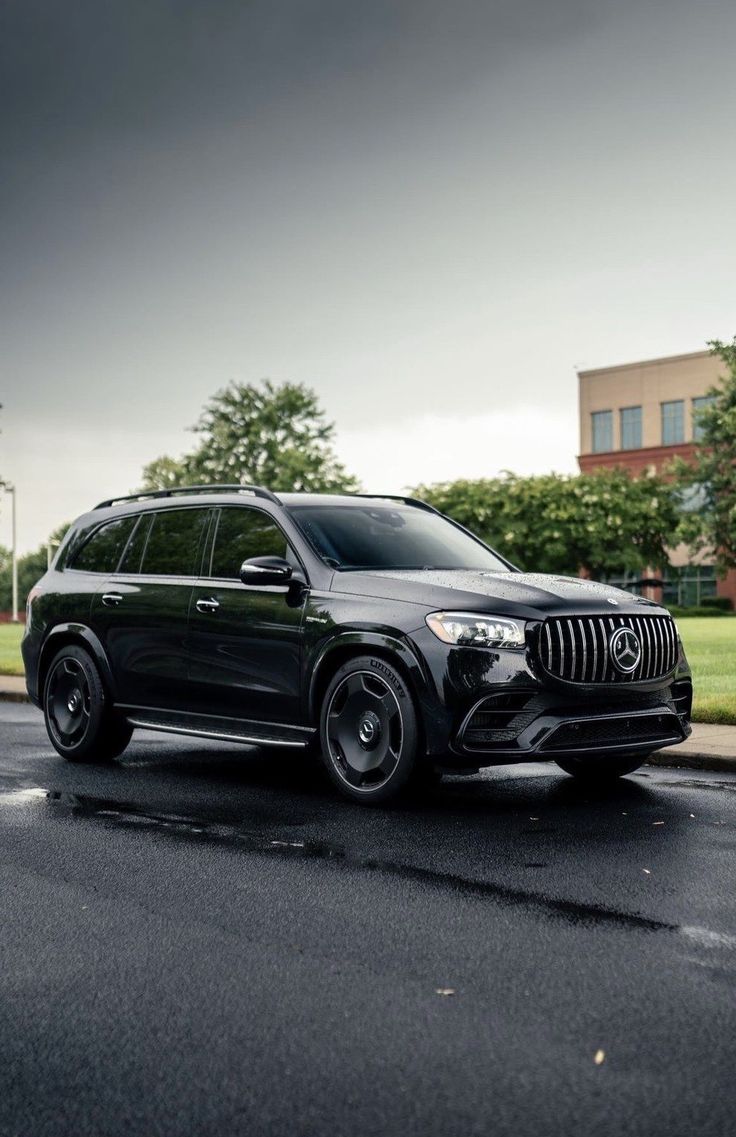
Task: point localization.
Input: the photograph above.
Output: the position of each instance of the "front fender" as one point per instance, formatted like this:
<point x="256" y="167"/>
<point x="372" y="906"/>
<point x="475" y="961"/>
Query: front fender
<point x="350" y="643"/>
<point x="331" y="655"/>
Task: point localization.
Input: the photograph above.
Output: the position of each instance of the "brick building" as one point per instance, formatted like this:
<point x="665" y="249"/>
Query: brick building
<point x="639" y="416"/>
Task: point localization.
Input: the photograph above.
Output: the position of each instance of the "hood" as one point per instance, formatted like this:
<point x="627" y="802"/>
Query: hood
<point x="525" y="595"/>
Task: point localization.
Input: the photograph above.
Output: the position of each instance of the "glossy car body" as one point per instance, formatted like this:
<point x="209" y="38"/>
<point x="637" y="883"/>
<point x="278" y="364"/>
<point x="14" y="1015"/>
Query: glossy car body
<point x="203" y="654"/>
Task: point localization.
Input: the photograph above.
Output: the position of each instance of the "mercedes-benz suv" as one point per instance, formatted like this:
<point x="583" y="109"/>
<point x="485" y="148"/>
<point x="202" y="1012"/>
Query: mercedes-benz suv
<point x="372" y="630"/>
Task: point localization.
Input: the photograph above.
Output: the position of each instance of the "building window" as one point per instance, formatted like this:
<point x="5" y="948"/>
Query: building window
<point x="631" y="428"/>
<point x="688" y="586"/>
<point x="673" y="422"/>
<point x="698" y="406"/>
<point x="602" y="422"/>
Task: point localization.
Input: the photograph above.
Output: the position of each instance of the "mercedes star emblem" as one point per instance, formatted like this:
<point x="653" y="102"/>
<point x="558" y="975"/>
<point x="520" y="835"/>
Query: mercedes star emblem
<point x="625" y="649"/>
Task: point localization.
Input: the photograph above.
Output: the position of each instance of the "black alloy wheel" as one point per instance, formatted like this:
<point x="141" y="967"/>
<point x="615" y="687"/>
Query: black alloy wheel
<point x="598" y="771"/>
<point x="369" y="730"/>
<point x="79" y="721"/>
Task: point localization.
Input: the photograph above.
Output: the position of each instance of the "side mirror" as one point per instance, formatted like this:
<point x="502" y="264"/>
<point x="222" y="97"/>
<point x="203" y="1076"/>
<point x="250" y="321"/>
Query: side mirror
<point x="265" y="571"/>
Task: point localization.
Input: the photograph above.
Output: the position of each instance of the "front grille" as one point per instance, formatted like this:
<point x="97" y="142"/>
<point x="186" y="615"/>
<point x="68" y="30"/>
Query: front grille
<point x="577" y="648"/>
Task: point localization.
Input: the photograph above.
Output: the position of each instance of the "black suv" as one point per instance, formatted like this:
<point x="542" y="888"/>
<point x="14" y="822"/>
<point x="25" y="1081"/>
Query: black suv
<point x="371" y="629"/>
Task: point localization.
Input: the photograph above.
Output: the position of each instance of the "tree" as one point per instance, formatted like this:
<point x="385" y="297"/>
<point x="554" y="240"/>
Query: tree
<point x="601" y="523"/>
<point x="708" y="481"/>
<point x="270" y="434"/>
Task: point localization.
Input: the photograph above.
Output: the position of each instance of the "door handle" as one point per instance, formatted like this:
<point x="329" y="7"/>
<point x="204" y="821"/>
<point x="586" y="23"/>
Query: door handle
<point x="111" y="599"/>
<point x="208" y="605"/>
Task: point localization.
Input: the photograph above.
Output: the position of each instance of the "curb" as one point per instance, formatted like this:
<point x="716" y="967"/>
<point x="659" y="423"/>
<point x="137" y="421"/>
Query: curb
<point x="702" y="761"/>
<point x="13" y="689"/>
<point x="668" y="758"/>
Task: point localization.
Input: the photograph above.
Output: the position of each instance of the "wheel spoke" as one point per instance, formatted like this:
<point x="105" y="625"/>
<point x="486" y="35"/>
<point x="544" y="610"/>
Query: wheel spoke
<point x="355" y="685"/>
<point x="352" y="776"/>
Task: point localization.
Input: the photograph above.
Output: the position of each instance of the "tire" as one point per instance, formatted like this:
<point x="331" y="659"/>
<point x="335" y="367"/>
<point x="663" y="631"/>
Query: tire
<point x="600" y="771"/>
<point x="79" y="720"/>
<point x="369" y="730"/>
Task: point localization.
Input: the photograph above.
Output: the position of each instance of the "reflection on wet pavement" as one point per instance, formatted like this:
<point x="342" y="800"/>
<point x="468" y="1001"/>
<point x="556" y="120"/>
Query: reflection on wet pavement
<point x="201" y="829"/>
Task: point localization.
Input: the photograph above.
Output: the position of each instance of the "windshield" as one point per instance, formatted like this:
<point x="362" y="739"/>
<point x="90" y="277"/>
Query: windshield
<point x="390" y="537"/>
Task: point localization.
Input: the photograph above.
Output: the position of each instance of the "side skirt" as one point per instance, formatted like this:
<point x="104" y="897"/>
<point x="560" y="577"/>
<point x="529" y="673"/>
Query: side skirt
<point x="217" y="728"/>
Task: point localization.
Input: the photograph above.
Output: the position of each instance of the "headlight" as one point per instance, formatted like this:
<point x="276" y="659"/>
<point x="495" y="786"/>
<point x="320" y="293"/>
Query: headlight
<point x="469" y="630"/>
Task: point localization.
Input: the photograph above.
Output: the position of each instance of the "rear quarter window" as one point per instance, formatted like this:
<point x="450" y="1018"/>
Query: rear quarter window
<point x="102" y="551"/>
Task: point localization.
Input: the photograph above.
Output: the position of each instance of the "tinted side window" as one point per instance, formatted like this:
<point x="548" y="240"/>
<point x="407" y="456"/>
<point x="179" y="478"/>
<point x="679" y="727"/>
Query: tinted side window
<point x="131" y="561"/>
<point x="102" y="552"/>
<point x="243" y="533"/>
<point x="173" y="546"/>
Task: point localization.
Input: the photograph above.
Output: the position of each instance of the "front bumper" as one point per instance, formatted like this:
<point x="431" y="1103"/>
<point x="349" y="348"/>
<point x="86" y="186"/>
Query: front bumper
<point x="501" y="707"/>
<point x="503" y="728"/>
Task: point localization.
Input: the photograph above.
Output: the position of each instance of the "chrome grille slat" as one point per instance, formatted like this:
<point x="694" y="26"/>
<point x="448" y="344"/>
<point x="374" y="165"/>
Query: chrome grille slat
<point x="650" y="654"/>
<point x="573" y="661"/>
<point x="594" y="639"/>
<point x="604" y="640"/>
<point x="640" y="632"/>
<point x="575" y="648"/>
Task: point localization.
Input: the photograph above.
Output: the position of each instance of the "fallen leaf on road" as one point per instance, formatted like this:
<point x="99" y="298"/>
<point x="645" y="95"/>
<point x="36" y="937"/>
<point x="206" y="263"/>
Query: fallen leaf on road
<point x="647" y="871"/>
<point x="534" y="819"/>
<point x="444" y="991"/>
<point x="658" y="823"/>
<point x="692" y="815"/>
<point x="600" y="1057"/>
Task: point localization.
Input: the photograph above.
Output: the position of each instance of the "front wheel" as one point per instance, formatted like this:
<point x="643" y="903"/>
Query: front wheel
<point x="599" y="771"/>
<point x="369" y="730"/>
<point x="80" y="723"/>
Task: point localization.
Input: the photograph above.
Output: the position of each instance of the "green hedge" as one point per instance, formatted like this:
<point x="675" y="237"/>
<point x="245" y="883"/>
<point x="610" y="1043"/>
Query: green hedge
<point x="724" y="603"/>
<point x="682" y="613"/>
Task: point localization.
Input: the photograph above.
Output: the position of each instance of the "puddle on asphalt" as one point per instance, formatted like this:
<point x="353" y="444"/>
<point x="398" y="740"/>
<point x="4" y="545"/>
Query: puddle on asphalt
<point x="239" y="835"/>
<point x="199" y="829"/>
<point x="184" y="826"/>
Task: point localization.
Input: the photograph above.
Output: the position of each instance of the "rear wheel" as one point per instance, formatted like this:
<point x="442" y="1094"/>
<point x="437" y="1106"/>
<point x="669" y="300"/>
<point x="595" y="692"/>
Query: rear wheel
<point x="369" y="730"/>
<point x="598" y="771"/>
<point x="80" y="722"/>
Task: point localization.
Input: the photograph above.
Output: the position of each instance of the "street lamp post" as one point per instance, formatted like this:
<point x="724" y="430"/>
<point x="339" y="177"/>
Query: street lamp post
<point x="14" y="554"/>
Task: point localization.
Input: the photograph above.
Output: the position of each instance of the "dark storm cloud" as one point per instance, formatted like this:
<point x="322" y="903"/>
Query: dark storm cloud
<point x="428" y="211"/>
<point x="74" y="70"/>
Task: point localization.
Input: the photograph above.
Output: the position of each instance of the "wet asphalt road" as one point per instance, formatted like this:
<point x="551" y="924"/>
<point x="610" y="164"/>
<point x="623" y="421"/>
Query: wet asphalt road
<point x="204" y="940"/>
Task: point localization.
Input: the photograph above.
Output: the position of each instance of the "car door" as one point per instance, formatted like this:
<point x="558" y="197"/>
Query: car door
<point x="245" y="641"/>
<point x="141" y="613"/>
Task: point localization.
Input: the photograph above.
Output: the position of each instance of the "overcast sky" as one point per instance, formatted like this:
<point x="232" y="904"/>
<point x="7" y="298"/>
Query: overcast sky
<point x="430" y="212"/>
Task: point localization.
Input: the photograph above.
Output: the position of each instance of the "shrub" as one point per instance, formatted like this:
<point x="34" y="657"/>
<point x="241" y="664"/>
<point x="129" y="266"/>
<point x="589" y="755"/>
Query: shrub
<point x="681" y="613"/>
<point x="724" y="603"/>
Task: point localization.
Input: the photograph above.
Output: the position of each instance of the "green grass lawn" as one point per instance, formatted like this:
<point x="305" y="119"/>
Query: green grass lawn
<point x="710" y="644"/>
<point x="11" y="662"/>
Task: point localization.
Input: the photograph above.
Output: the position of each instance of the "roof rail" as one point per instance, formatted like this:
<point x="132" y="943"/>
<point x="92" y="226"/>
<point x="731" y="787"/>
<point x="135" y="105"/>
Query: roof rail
<point x="236" y="487"/>
<point x="415" y="501"/>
